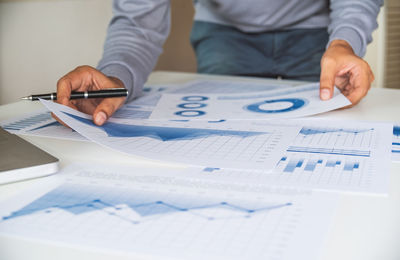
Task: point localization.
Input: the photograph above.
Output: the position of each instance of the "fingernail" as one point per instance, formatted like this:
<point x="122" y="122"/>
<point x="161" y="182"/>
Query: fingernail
<point x="100" y="118"/>
<point x="325" y="94"/>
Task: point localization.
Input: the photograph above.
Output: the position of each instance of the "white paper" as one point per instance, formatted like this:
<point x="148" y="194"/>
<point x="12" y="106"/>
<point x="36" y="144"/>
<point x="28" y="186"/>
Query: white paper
<point x="283" y="103"/>
<point x="40" y="123"/>
<point x="136" y="211"/>
<point x="226" y="144"/>
<point x="349" y="156"/>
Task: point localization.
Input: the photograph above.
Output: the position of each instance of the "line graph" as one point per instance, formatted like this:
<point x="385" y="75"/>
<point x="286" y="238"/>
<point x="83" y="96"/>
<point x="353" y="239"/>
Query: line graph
<point x="335" y="136"/>
<point x="189" y="223"/>
<point x="134" y="208"/>
<point x="334" y="141"/>
<point x="299" y="149"/>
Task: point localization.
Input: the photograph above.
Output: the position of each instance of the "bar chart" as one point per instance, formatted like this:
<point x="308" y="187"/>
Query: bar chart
<point x="313" y="163"/>
<point x="328" y="155"/>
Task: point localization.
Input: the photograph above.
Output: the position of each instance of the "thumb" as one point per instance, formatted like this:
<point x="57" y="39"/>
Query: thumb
<point x="106" y="109"/>
<point x="327" y="80"/>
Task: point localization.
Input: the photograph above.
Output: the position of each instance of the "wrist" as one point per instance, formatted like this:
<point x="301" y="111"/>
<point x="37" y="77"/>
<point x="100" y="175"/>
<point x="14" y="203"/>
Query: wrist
<point x="342" y="44"/>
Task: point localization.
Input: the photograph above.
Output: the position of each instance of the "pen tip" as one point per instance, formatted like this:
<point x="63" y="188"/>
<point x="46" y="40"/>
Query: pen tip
<point x="25" y="98"/>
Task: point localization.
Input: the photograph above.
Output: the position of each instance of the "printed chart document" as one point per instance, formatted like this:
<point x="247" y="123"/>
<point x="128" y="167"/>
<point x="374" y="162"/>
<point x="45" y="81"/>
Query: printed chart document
<point x="136" y="212"/>
<point x="242" y="145"/>
<point x="352" y="156"/>
<point x="40" y="123"/>
<point x="282" y="103"/>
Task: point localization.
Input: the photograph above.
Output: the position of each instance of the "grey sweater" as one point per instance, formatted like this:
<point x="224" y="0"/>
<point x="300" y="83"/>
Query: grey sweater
<point x="139" y="28"/>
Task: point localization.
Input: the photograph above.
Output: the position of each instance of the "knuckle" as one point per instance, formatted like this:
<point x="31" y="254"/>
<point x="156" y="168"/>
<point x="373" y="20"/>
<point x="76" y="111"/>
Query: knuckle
<point x="83" y="68"/>
<point x="62" y="81"/>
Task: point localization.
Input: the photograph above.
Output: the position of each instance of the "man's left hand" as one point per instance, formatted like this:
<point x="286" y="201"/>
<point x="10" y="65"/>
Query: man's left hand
<point x="342" y="68"/>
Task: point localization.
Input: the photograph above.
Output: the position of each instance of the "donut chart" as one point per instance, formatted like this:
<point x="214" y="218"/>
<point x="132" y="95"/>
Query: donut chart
<point x="273" y="106"/>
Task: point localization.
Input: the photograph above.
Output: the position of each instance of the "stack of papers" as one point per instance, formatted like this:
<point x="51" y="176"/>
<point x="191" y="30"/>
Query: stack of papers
<point x="254" y="185"/>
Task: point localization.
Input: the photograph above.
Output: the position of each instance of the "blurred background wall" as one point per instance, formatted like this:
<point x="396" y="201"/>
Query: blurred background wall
<point x="41" y="40"/>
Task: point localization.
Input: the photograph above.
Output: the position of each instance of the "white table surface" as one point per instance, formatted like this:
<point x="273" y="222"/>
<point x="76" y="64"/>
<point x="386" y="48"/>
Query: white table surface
<point x="365" y="227"/>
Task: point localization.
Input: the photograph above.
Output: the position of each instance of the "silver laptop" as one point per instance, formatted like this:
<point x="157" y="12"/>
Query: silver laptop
<point x="20" y="160"/>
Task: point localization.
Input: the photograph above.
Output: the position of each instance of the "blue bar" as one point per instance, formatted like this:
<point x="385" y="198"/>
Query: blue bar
<point x="349" y="166"/>
<point x="210" y="169"/>
<point x="330" y="163"/>
<point x="290" y="166"/>
<point x="293" y="164"/>
<point x="312" y="164"/>
<point x="396" y="130"/>
<point x="299" y="163"/>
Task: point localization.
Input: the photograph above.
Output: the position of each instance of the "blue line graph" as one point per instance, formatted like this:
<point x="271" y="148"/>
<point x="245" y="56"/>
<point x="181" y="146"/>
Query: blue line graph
<point x="334" y="141"/>
<point x="307" y="131"/>
<point x="299" y="149"/>
<point x="161" y="133"/>
<point x="80" y="199"/>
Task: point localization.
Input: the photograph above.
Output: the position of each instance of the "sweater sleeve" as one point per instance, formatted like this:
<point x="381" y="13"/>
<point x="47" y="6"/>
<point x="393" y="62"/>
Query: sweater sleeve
<point x="354" y="21"/>
<point x="135" y="36"/>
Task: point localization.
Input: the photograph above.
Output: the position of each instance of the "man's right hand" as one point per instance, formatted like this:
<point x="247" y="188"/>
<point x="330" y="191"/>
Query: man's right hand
<point x="86" y="78"/>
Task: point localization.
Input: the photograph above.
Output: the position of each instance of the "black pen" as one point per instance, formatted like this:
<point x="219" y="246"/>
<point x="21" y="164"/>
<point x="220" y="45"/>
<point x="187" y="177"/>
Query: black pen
<point x="105" y="93"/>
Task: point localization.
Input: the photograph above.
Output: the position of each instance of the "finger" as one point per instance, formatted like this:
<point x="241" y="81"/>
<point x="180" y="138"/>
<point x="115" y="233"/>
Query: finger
<point x="64" y="89"/>
<point x="78" y="79"/>
<point x="106" y="109"/>
<point x="327" y="79"/>
<point x="361" y="84"/>
<point x="59" y="120"/>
